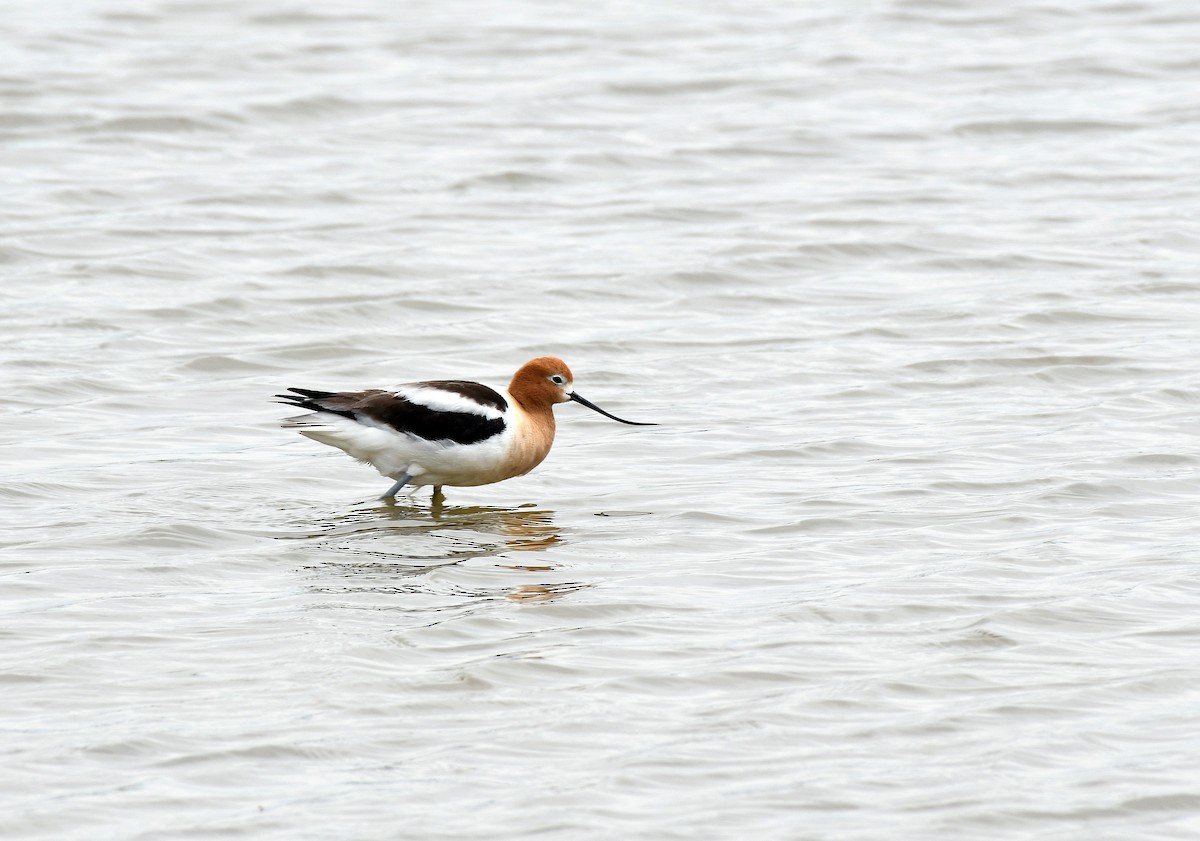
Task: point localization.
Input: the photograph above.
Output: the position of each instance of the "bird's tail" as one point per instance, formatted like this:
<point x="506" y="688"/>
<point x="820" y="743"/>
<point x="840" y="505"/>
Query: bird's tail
<point x="322" y="402"/>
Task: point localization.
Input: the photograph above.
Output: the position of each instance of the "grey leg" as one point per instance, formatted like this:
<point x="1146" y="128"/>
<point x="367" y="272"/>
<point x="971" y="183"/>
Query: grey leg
<point x="400" y="483"/>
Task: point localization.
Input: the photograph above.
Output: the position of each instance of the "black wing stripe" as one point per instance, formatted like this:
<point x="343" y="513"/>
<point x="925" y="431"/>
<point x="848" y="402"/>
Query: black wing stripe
<point x="430" y="424"/>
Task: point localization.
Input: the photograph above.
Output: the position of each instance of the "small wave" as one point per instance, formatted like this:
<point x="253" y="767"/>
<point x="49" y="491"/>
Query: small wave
<point x="1039" y="127"/>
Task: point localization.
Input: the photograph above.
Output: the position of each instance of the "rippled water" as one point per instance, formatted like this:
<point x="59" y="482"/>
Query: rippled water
<point x="911" y="287"/>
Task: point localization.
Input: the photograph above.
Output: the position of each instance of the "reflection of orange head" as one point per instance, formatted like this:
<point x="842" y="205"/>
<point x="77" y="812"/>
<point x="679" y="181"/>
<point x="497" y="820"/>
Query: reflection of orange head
<point x="529" y="531"/>
<point x="530" y="593"/>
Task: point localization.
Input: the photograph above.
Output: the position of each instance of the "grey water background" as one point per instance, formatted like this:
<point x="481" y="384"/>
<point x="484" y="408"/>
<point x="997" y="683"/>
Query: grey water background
<point x="911" y="287"/>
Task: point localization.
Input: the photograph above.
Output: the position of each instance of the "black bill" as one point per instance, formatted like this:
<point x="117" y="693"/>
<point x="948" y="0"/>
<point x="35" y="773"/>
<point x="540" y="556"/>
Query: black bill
<point x="596" y="408"/>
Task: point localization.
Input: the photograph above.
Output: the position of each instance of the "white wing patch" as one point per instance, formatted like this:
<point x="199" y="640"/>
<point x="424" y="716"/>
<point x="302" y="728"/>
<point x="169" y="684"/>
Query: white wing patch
<point x="445" y="401"/>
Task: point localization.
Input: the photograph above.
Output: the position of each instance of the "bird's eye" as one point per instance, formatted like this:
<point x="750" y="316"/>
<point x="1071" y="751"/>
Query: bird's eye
<point x="557" y="379"/>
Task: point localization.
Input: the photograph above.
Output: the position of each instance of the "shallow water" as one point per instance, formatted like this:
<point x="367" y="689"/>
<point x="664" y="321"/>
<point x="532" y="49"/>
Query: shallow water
<point x="911" y="288"/>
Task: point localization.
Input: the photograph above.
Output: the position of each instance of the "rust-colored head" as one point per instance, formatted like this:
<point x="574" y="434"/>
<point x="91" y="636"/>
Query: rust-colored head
<point x="541" y="382"/>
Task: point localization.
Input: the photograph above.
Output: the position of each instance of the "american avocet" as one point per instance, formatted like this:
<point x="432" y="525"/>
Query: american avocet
<point x="444" y="432"/>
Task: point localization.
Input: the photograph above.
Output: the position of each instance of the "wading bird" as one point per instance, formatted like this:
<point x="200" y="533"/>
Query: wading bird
<point x="444" y="432"/>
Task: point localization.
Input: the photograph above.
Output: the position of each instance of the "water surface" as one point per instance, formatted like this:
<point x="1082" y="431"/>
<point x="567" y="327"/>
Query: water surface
<point x="911" y="288"/>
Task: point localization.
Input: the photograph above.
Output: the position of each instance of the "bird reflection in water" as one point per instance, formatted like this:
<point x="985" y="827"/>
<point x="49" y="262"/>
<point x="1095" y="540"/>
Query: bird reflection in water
<point x="388" y="542"/>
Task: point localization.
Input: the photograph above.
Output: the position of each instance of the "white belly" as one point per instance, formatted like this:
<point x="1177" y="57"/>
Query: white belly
<point x="514" y="452"/>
